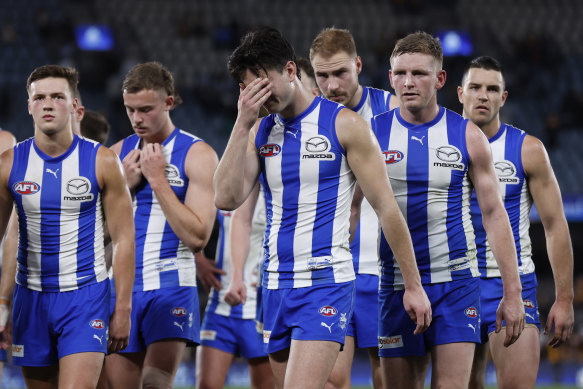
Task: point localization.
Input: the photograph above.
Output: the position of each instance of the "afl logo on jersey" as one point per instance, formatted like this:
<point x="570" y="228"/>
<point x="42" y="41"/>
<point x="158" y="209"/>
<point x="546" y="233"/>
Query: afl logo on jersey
<point x="327" y="310"/>
<point x="471" y="312"/>
<point x="98" y="324"/>
<point x="173" y="175"/>
<point x="26" y="187"/>
<point x="392" y="156"/>
<point x="179" y="311"/>
<point x="528" y="304"/>
<point x="506" y="172"/>
<point x="79" y="189"/>
<point x="449" y="156"/>
<point x="270" y="150"/>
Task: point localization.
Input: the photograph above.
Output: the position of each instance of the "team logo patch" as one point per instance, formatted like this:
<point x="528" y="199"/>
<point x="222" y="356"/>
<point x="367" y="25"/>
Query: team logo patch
<point x="266" y="336"/>
<point x="26" y="187"/>
<point x="173" y="175"/>
<point x="179" y="311"/>
<point x="471" y="312"/>
<point x="390" y="341"/>
<point x="318" y="147"/>
<point x="449" y="156"/>
<point x="208" y="335"/>
<point x="270" y="150"/>
<point x="18" y="350"/>
<point x="343" y="321"/>
<point x="528" y="304"/>
<point x="392" y="156"/>
<point x="78" y="189"/>
<point x="327" y="311"/>
<point x="98" y="324"/>
<point x="506" y="172"/>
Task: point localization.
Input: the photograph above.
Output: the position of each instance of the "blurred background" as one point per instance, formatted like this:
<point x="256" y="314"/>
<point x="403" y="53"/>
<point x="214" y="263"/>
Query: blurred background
<point x="537" y="41"/>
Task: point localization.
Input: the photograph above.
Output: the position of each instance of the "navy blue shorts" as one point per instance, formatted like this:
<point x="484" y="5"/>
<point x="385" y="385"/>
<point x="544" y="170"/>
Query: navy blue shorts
<point x="233" y="335"/>
<point x="50" y="325"/>
<point x="456" y="317"/>
<point x="313" y="313"/>
<point x="364" y="325"/>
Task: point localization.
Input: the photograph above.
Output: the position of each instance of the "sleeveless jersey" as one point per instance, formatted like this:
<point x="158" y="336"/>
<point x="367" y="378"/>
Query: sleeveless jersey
<point x="162" y="260"/>
<point x="428" y="168"/>
<point x="364" y="246"/>
<point x="308" y="192"/>
<point x="58" y="200"/>
<point x="217" y="302"/>
<point x="506" y="148"/>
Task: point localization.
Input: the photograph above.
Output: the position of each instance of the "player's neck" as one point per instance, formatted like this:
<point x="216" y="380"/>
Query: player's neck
<point x="490" y="129"/>
<point x="356" y="98"/>
<point x="160" y="136"/>
<point x="421" y="116"/>
<point x="54" y="144"/>
<point x="301" y="101"/>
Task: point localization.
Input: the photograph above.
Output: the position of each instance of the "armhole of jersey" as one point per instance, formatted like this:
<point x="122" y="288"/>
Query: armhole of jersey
<point x="464" y="142"/>
<point x="183" y="167"/>
<point x="519" y="159"/>
<point x="93" y="161"/>
<point x="261" y="130"/>
<point x="333" y="129"/>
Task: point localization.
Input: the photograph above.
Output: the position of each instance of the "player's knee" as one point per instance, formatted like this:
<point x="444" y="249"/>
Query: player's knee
<point x="337" y="380"/>
<point x="153" y="378"/>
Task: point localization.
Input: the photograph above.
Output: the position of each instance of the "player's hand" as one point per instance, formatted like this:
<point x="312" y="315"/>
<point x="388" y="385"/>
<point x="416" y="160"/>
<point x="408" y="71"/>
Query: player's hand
<point x="5" y="330"/>
<point x="251" y="99"/>
<point x="237" y="293"/>
<point x="119" y="331"/>
<point x="418" y="307"/>
<point x="207" y="272"/>
<point x="153" y="163"/>
<point x="511" y="310"/>
<point x="132" y="168"/>
<point x="562" y="318"/>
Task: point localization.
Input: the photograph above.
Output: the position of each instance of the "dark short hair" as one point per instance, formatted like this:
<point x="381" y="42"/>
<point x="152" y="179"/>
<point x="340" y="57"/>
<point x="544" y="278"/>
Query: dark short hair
<point x="264" y="48"/>
<point x="152" y="76"/>
<point x="56" y="71"/>
<point x="484" y="62"/>
<point x="306" y="68"/>
<point x="419" y="42"/>
<point x="95" y="126"/>
<point x="331" y="40"/>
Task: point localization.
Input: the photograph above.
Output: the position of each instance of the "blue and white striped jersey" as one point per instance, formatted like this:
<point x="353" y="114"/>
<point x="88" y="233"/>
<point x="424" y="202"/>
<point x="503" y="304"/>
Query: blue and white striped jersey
<point x="365" y="245"/>
<point x="162" y="260"/>
<point x="428" y="168"/>
<point x="217" y="302"/>
<point x="58" y="200"/>
<point x="308" y="191"/>
<point x="506" y="148"/>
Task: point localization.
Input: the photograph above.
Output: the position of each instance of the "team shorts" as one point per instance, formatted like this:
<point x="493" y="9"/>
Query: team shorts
<point x="163" y="314"/>
<point x="3" y="356"/>
<point x="50" y="325"/>
<point x="233" y="335"/>
<point x="317" y="312"/>
<point x="455" y="306"/>
<point x="491" y="294"/>
<point x="364" y="324"/>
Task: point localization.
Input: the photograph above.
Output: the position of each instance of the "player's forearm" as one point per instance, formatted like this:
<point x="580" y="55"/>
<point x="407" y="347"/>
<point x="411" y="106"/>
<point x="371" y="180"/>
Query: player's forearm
<point x="124" y="268"/>
<point x="501" y="241"/>
<point x="190" y="227"/>
<point x="560" y="253"/>
<point x="229" y="178"/>
<point x="9" y="259"/>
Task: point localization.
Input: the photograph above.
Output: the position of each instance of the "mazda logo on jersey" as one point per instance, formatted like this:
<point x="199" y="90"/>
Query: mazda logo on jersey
<point x="173" y="175"/>
<point x="78" y="186"/>
<point x="318" y="147"/>
<point x="505" y="169"/>
<point x="269" y="150"/>
<point x="78" y="189"/>
<point x="392" y="156"/>
<point x="449" y="157"/>
<point x="26" y="187"/>
<point x="448" y="153"/>
<point x="317" y="144"/>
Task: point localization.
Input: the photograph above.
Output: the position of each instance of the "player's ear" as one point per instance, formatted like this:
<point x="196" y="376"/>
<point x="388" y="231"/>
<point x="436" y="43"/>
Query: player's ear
<point x="291" y="70"/>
